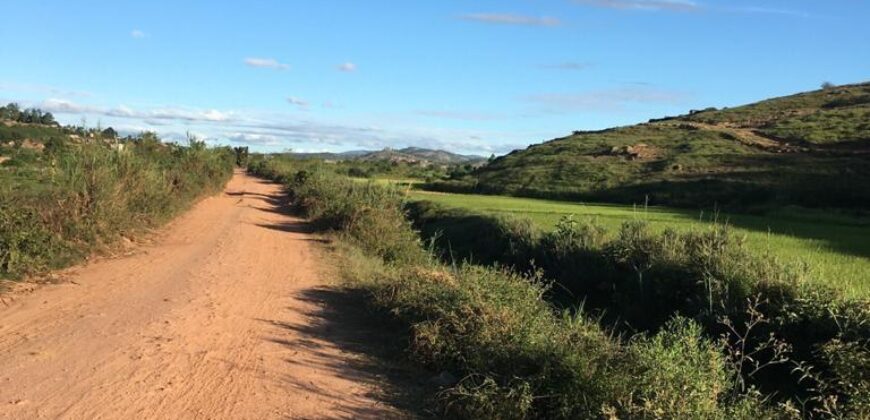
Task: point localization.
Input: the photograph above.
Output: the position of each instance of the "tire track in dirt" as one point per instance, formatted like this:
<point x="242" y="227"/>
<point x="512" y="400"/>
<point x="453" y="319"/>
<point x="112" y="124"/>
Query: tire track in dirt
<point x="213" y="320"/>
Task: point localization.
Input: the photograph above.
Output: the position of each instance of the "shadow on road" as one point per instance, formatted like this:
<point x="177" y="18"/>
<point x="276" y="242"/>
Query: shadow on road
<point x="372" y="345"/>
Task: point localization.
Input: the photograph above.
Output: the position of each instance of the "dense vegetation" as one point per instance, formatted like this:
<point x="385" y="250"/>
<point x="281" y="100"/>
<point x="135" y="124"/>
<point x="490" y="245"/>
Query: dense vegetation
<point x="809" y="149"/>
<point x="833" y="245"/>
<point x="62" y="196"/>
<point x="373" y="168"/>
<point x="13" y="112"/>
<point x="725" y="328"/>
<point x="638" y="279"/>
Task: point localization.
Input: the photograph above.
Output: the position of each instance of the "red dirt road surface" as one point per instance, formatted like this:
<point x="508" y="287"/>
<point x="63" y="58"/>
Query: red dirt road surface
<point x="213" y="320"/>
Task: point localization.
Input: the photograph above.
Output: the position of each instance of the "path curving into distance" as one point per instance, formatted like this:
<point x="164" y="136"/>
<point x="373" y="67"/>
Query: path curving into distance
<point x="221" y="317"/>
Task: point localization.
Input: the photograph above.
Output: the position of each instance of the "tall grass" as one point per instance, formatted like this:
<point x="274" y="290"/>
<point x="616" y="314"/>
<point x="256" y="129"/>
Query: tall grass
<point x="833" y="244"/>
<point x="638" y="279"/>
<point x="76" y="198"/>
<point x="517" y="355"/>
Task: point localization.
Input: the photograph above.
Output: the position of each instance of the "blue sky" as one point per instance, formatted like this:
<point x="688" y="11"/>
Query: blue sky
<point x="470" y="76"/>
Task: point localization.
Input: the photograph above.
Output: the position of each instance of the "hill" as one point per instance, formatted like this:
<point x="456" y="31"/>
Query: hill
<point x="413" y="155"/>
<point x="810" y="149"/>
<point x="349" y="155"/>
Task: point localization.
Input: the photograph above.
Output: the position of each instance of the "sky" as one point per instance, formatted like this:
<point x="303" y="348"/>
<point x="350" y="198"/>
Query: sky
<point x="481" y="76"/>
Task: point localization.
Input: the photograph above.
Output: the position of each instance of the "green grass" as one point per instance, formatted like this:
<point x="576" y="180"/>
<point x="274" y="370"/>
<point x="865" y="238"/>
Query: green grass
<point x="835" y="248"/>
<point x="826" y="116"/>
<point x="796" y="150"/>
<point x="72" y="198"/>
<point x="517" y="353"/>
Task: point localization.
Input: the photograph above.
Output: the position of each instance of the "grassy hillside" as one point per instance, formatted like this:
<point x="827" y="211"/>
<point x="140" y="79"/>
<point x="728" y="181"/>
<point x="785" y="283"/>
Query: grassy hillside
<point x="420" y="155"/>
<point x="411" y="155"/>
<point x="837" y="115"/>
<point x="811" y="149"/>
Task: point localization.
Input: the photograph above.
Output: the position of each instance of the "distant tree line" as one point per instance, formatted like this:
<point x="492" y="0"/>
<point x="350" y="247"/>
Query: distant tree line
<point x="13" y="112"/>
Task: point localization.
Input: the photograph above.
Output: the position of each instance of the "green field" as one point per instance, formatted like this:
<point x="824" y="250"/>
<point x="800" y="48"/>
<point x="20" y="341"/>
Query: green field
<point x="835" y="249"/>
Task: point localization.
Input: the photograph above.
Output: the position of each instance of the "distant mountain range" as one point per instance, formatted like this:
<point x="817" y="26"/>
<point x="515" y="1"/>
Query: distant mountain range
<point x="406" y="155"/>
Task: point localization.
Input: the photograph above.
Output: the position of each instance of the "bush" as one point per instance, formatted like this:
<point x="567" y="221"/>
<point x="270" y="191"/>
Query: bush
<point x="75" y="198"/>
<point x="371" y="215"/>
<point x="639" y="280"/>
<point x="515" y="355"/>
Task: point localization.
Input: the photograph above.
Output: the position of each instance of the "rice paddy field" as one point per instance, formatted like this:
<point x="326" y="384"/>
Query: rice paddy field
<point x="834" y="248"/>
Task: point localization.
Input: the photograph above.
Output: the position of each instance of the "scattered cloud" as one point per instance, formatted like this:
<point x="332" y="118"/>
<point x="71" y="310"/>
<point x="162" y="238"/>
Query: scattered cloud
<point x="686" y="6"/>
<point x="138" y="34"/>
<point x="347" y="67"/>
<point x="44" y="89"/>
<point x="186" y="115"/>
<point x="638" y="83"/>
<point x="459" y="115"/>
<point x="568" y="65"/>
<point x="266" y="63"/>
<point x="666" y="5"/>
<point x="279" y="131"/>
<point x="608" y="100"/>
<point x="60" y="106"/>
<point x="255" y="139"/>
<point x="770" y="11"/>
<point x="64" y="106"/>
<point x="511" y="19"/>
<point x="299" y="102"/>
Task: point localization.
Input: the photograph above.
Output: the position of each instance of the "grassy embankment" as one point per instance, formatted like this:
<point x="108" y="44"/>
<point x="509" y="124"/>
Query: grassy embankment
<point x="738" y="322"/>
<point x="835" y="248"/>
<point x="62" y="198"/>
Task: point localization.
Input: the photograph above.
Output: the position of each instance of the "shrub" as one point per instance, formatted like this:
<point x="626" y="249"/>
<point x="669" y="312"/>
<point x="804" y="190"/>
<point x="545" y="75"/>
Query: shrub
<point x="639" y="280"/>
<point x="515" y="355"/>
<point x="74" y="198"/>
<point x="371" y="215"/>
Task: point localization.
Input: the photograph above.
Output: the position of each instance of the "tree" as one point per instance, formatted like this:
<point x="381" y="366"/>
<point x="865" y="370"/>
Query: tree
<point x="828" y="85"/>
<point x="10" y="112"/>
<point x="109" y="133"/>
<point x="47" y="119"/>
<point x="241" y="155"/>
<point x="13" y="112"/>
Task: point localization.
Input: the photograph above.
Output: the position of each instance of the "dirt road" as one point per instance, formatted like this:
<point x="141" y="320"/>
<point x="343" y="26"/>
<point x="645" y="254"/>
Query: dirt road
<point x="220" y="318"/>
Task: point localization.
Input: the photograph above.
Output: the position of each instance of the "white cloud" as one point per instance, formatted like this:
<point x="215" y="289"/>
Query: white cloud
<point x="511" y="19"/>
<point x="347" y="67"/>
<point x="122" y="111"/>
<point x="215" y="115"/>
<point x="301" y="103"/>
<point x="278" y="131"/>
<point x="459" y="115"/>
<point x="770" y="11"/>
<point x="64" y="106"/>
<point x="44" y="89"/>
<point x="60" y="106"/>
<point x="568" y="65"/>
<point x="608" y="100"/>
<point x="255" y="139"/>
<point x="268" y="63"/>
<point x="178" y="114"/>
<point x="687" y="6"/>
<point x="138" y="34"/>
<point x="670" y="5"/>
